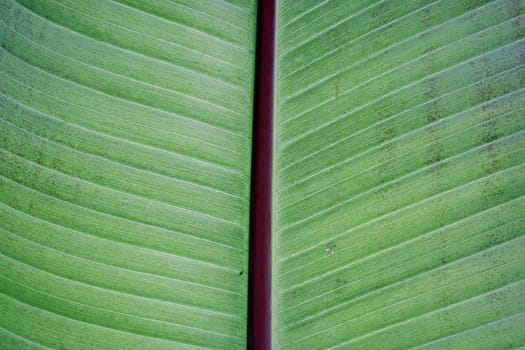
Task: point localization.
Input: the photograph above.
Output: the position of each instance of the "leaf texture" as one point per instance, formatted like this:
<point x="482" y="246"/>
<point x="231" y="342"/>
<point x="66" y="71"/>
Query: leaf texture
<point x="125" y="133"/>
<point x="399" y="154"/>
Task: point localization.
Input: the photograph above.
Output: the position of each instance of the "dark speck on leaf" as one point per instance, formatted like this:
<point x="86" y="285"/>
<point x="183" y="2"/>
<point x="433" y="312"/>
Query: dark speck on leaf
<point x="330" y="249"/>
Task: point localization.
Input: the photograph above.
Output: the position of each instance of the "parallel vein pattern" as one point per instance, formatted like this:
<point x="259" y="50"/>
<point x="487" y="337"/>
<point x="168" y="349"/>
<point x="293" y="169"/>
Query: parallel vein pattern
<point x="125" y="136"/>
<point x="399" y="195"/>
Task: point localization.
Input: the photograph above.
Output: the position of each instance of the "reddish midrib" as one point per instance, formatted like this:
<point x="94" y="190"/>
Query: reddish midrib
<point x="259" y="288"/>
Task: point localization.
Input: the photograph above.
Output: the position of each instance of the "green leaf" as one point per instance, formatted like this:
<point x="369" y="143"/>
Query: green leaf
<point x="399" y="195"/>
<point x="125" y="137"/>
<point x="125" y="150"/>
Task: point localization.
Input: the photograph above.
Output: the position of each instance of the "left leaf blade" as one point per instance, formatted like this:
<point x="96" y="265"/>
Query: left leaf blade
<point x="125" y="146"/>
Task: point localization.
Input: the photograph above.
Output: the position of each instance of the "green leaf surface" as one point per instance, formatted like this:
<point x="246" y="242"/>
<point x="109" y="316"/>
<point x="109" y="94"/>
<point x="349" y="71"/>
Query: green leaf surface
<point x="399" y="195"/>
<point x="125" y="137"/>
<point x="399" y="154"/>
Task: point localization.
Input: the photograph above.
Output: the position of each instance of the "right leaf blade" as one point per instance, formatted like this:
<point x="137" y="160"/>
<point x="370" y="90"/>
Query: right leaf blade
<point x="398" y="192"/>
